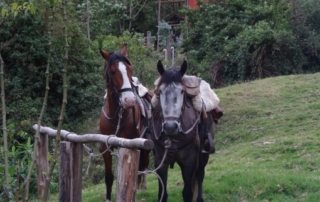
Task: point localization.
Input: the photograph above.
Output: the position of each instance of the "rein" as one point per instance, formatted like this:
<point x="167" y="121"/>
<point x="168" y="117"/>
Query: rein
<point x="193" y="126"/>
<point x="119" y="113"/>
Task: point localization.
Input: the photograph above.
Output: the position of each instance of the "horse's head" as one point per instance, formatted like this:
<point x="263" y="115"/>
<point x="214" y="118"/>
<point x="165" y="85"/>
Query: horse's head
<point x="171" y="95"/>
<point x="118" y="75"/>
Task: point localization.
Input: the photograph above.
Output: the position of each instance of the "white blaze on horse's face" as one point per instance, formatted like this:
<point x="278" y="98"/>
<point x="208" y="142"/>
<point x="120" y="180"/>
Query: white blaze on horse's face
<point x="127" y="98"/>
<point x="171" y="100"/>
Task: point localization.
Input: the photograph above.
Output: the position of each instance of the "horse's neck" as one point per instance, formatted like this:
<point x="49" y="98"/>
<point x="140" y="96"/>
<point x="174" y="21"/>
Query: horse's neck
<point x="112" y="103"/>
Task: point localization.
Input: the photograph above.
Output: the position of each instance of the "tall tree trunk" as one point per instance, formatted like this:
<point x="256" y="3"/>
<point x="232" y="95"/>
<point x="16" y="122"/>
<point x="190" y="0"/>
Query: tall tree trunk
<point x="35" y="153"/>
<point x="64" y="74"/>
<point x="130" y="15"/>
<point x="4" y="124"/>
<point x="88" y="19"/>
<point x="64" y="99"/>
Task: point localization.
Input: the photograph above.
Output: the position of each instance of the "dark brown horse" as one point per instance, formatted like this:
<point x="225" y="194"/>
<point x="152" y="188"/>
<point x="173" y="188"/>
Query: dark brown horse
<point x="179" y="134"/>
<point x="121" y="113"/>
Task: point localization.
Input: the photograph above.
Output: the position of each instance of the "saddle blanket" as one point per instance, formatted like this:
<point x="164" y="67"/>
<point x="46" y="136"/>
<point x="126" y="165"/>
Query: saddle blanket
<point x="203" y="97"/>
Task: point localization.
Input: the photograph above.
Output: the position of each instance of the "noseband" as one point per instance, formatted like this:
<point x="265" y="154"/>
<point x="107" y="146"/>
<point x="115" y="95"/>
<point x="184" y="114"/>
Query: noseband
<point x="125" y="90"/>
<point x="178" y="119"/>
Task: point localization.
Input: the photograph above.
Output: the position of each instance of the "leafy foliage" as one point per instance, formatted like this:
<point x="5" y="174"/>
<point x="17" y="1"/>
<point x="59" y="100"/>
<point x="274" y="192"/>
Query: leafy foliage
<point x="242" y="40"/>
<point x="114" y="17"/>
<point x="25" y="41"/>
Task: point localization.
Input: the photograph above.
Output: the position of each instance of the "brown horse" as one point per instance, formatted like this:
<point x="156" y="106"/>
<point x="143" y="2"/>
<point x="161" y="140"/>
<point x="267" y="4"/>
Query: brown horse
<point x="121" y="113"/>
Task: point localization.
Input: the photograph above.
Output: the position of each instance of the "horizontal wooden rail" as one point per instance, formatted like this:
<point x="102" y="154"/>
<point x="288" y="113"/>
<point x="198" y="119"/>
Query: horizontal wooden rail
<point x="136" y="143"/>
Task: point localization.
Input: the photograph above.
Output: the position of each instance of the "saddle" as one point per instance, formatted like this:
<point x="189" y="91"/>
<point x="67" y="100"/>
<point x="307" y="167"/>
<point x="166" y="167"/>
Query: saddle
<point x="144" y="97"/>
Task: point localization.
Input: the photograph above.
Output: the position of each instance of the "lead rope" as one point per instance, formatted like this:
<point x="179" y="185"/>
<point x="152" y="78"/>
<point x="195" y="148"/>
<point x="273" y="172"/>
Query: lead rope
<point x="146" y="172"/>
<point x="193" y="126"/>
<point x="90" y="151"/>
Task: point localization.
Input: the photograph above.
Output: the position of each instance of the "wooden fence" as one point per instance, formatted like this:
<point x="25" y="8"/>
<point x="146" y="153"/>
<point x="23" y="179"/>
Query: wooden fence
<point x="71" y="149"/>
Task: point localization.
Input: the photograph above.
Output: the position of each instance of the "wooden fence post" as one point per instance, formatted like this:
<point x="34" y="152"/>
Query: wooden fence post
<point x="64" y="175"/>
<point x="127" y="174"/>
<point x="70" y="178"/>
<point x="76" y="168"/>
<point x="70" y="181"/>
<point x="42" y="164"/>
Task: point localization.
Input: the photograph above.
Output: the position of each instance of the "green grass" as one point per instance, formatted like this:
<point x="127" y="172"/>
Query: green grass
<point x="268" y="145"/>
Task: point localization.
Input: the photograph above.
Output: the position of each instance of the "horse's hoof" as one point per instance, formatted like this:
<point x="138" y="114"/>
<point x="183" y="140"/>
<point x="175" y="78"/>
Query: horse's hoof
<point x="108" y="200"/>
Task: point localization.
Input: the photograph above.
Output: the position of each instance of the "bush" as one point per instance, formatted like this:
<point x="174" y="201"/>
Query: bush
<point x="143" y="59"/>
<point x="238" y="41"/>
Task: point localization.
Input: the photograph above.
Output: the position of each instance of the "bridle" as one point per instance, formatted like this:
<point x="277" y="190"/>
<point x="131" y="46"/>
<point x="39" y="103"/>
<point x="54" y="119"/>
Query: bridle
<point x="184" y="132"/>
<point x="115" y="57"/>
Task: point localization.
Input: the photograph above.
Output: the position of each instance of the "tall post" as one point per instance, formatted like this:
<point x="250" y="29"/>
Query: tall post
<point x="64" y="175"/>
<point x="127" y="176"/>
<point x="172" y="55"/>
<point x="165" y="55"/>
<point x="42" y="164"/>
<point x="70" y="182"/>
<point x="76" y="168"/>
<point x="148" y="39"/>
<point x="159" y="18"/>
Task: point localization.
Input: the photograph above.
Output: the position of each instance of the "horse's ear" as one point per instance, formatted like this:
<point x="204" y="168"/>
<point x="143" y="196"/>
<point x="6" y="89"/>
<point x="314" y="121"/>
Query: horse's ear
<point x="160" y="67"/>
<point x="183" y="67"/>
<point x="124" y="50"/>
<point x="105" y="54"/>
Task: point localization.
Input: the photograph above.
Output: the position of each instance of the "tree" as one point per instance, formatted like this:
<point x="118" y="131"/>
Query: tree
<point x="8" y="11"/>
<point x="114" y="17"/>
<point x="238" y="41"/>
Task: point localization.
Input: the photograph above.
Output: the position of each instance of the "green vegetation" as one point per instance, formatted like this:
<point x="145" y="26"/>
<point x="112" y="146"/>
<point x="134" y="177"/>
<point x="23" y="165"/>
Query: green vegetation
<point x="267" y="145"/>
<point x="225" y="42"/>
<point x="244" y="40"/>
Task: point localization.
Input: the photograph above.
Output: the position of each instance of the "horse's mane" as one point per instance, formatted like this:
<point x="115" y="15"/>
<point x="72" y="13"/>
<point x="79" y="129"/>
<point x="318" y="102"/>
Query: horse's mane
<point x="118" y="57"/>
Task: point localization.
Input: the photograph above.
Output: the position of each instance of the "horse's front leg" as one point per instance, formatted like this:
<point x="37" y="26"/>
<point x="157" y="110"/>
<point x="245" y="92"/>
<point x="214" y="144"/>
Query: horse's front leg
<point x="188" y="175"/>
<point x="203" y="160"/>
<point x="189" y="167"/>
<point x="107" y="157"/>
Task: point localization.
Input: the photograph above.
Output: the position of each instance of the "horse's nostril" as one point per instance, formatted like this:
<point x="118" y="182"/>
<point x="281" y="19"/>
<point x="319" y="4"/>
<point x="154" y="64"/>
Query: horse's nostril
<point x="171" y="127"/>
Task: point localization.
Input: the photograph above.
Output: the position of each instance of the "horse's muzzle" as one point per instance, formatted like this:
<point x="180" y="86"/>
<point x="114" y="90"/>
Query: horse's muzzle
<point x="171" y="127"/>
<point x="127" y="99"/>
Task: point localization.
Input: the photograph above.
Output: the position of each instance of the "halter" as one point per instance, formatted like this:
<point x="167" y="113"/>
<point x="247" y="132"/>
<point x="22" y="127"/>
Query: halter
<point x="114" y="58"/>
<point x="184" y="132"/>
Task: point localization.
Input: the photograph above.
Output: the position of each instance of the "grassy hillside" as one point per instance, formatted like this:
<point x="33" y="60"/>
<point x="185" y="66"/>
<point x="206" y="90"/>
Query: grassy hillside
<point x="268" y="146"/>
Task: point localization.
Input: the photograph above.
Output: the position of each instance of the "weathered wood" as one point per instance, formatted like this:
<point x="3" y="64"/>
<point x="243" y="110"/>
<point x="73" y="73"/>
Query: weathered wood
<point x="127" y="174"/>
<point x="42" y="164"/>
<point x="137" y="143"/>
<point x="64" y="175"/>
<point x="149" y="44"/>
<point x="76" y="168"/>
